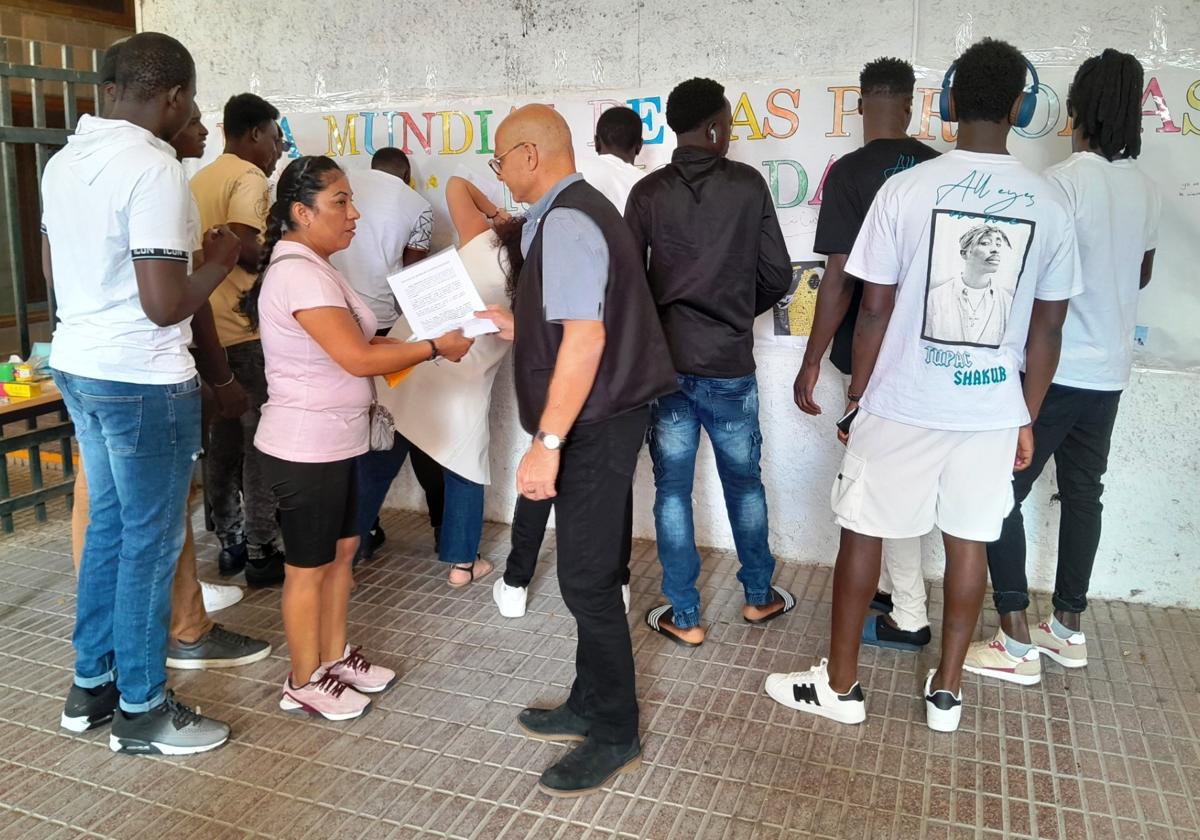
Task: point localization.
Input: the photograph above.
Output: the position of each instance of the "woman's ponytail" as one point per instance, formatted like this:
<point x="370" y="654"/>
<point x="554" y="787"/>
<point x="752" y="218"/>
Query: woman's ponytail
<point x="275" y="228"/>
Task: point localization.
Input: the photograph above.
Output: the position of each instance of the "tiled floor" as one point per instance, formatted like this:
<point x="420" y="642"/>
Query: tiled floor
<point x="1109" y="752"/>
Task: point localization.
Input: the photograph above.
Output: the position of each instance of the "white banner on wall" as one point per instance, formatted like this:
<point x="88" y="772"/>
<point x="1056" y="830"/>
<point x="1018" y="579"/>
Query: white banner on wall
<point x="792" y="132"/>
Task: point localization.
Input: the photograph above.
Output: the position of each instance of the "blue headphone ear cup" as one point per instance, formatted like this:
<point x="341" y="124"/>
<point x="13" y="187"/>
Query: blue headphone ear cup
<point x="1024" y="114"/>
<point x="1027" y="109"/>
<point x="945" y="105"/>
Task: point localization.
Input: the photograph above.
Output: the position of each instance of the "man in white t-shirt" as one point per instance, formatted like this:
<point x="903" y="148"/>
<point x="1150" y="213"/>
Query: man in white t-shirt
<point x="396" y="229"/>
<point x="618" y="143"/>
<point x="116" y="206"/>
<point x="1116" y="209"/>
<point x="942" y="418"/>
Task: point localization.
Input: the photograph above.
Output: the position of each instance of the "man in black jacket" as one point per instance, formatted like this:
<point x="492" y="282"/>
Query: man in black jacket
<point x="716" y="259"/>
<point x="589" y="357"/>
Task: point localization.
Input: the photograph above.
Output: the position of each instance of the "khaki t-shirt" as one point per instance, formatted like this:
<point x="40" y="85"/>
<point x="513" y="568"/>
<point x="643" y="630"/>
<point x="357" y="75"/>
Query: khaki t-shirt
<point x="231" y="191"/>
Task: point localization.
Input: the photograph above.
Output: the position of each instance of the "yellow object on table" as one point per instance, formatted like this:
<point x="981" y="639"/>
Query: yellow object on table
<point x="23" y="373"/>
<point x="23" y="390"/>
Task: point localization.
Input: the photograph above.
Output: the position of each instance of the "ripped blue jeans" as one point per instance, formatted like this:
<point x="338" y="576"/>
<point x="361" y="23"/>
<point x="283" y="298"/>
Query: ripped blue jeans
<point x="139" y="444"/>
<point x="727" y="409"/>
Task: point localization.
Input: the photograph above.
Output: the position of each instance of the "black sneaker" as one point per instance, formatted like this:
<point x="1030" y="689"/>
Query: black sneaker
<point x="878" y="632"/>
<point x="589" y="767"/>
<point x="170" y="728"/>
<point x="559" y="724"/>
<point x="377" y="537"/>
<point x="88" y="708"/>
<point x="218" y="648"/>
<point x="232" y="560"/>
<point x="882" y="602"/>
<point x="267" y="570"/>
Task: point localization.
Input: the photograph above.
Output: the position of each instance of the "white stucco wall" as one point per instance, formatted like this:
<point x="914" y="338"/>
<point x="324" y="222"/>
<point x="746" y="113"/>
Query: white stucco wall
<point x="373" y="50"/>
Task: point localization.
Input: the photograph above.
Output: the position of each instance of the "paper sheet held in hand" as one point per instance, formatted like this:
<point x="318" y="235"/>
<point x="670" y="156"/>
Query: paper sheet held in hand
<point x="436" y="295"/>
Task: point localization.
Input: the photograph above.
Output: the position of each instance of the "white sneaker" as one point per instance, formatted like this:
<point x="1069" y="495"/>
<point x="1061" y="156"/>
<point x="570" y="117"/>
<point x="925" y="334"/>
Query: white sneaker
<point x="510" y="599"/>
<point x="218" y="597"/>
<point x="943" y="710"/>
<point x="625" y="597"/>
<point x="809" y="691"/>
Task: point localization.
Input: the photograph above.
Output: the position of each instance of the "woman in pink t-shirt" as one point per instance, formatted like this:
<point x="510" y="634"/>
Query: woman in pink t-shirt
<point x="320" y="348"/>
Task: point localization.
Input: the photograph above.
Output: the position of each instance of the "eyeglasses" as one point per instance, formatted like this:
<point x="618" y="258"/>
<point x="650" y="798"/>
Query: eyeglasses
<point x="495" y="163"/>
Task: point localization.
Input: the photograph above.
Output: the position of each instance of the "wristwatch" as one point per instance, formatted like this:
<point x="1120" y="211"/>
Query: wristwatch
<point x="550" y="441"/>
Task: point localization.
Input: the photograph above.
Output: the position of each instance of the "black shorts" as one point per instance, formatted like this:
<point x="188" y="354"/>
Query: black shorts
<point x="317" y="507"/>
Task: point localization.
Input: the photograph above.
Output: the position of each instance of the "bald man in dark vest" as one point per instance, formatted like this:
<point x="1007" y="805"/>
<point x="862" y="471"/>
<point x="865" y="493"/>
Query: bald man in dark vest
<point x="589" y="358"/>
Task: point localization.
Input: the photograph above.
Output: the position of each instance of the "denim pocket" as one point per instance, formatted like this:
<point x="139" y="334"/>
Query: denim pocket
<point x="734" y="401"/>
<point x="183" y="415"/>
<point x="848" y="490"/>
<point x="755" y="466"/>
<point x="120" y="420"/>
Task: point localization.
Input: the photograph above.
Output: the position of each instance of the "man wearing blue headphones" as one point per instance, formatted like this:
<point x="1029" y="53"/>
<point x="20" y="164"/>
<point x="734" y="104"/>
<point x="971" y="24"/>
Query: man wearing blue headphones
<point x="967" y="263"/>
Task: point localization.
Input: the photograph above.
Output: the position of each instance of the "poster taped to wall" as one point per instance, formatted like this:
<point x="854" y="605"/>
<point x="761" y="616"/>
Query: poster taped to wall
<point x="792" y="132"/>
<point x="793" y="315"/>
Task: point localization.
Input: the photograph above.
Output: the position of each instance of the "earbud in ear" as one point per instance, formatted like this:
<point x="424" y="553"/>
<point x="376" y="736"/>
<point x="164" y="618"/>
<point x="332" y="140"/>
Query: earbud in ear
<point x="712" y="135"/>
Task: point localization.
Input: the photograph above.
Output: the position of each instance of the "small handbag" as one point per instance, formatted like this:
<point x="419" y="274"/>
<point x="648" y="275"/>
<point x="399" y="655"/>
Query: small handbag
<point x="382" y="424"/>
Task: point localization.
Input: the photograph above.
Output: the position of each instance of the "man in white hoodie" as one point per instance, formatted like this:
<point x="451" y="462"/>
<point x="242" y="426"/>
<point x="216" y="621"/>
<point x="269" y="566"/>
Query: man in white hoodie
<point x="115" y="226"/>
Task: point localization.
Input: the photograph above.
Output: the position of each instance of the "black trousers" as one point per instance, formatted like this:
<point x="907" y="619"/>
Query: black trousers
<point x="594" y="480"/>
<point x="429" y="476"/>
<point x="1075" y="426"/>
<point x="529" y="529"/>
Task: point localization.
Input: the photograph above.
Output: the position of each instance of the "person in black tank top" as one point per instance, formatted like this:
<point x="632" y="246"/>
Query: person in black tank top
<point x="886" y="86"/>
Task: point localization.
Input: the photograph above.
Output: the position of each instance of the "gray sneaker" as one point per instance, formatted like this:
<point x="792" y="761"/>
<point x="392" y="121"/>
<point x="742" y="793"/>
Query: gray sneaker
<point x="218" y="648"/>
<point x="170" y="728"/>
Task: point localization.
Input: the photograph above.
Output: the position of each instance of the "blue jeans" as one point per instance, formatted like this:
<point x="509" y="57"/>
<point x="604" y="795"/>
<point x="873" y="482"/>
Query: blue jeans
<point x="139" y="444"/>
<point x="727" y="409"/>
<point x="462" y="520"/>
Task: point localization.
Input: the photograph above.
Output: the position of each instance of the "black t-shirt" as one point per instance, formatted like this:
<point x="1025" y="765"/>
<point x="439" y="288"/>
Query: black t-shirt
<point x="849" y="189"/>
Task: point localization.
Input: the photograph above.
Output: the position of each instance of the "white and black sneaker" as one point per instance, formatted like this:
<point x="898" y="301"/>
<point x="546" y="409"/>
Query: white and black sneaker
<point x="170" y="728"/>
<point x="88" y="708"/>
<point x="809" y="691"/>
<point x="943" y="710"/>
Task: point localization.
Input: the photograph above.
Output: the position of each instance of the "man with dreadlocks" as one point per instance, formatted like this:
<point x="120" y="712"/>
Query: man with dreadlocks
<point x="1116" y="209"/>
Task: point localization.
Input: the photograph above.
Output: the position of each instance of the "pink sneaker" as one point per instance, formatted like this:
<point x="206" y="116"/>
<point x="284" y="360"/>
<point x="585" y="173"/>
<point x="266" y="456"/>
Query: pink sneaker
<point x="324" y="695"/>
<point x="361" y="675"/>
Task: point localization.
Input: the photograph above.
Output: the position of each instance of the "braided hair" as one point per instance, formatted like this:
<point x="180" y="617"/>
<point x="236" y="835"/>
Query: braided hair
<point x="303" y="179"/>
<point x="1105" y="103"/>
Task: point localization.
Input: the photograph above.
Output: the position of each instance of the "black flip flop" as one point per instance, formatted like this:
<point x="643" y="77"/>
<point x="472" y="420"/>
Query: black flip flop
<point x="785" y="598"/>
<point x="471" y="570"/>
<point x="654" y="618"/>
